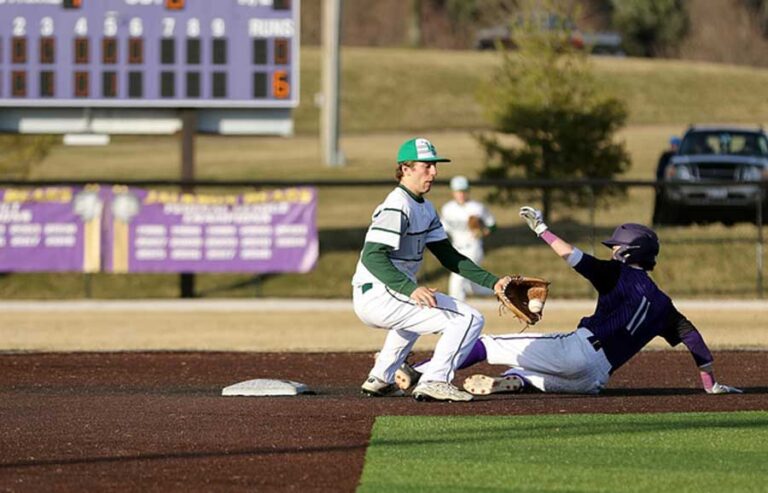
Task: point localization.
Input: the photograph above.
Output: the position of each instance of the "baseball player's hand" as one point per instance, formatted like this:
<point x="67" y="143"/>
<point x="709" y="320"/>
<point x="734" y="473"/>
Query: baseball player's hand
<point x="534" y="218"/>
<point x="719" y="388"/>
<point x="424" y="296"/>
<point x="501" y="283"/>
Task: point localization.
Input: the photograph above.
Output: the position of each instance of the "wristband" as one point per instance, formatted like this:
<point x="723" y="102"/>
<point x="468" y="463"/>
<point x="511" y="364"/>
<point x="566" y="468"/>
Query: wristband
<point x="707" y="380"/>
<point x="548" y="236"/>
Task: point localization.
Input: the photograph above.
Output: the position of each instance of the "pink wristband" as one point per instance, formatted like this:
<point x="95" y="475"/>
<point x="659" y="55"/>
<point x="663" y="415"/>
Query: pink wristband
<point x="548" y="236"/>
<point x="707" y="379"/>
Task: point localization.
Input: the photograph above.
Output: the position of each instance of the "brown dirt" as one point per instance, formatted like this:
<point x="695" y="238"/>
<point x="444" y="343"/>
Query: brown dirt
<point x="156" y="421"/>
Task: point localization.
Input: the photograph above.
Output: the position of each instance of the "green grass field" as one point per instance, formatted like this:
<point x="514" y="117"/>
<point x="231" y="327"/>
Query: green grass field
<point x="686" y="452"/>
<point x="388" y="95"/>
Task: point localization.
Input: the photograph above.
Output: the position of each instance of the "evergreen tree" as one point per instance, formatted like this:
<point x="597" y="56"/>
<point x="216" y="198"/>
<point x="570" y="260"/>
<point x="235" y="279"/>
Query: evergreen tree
<point x="545" y="95"/>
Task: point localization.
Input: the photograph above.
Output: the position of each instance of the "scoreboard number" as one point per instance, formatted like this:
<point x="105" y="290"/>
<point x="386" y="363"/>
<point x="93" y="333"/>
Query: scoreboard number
<point x="46" y="26"/>
<point x="174" y="4"/>
<point x="81" y="27"/>
<point x="193" y="28"/>
<point x="19" y="26"/>
<point x="169" y="27"/>
<point x="136" y="27"/>
<point x="218" y="28"/>
<point x="110" y="26"/>
<point x="281" y="88"/>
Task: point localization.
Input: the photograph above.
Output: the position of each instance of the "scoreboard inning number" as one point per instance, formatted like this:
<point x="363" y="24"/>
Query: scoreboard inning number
<point x="166" y="53"/>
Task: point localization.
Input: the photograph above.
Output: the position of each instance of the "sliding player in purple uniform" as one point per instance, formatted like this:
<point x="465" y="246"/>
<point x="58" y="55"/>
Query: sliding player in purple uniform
<point x="631" y="310"/>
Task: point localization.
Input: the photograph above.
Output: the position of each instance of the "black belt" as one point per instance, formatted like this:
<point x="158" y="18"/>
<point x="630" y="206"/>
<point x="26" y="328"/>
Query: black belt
<point x="595" y="343"/>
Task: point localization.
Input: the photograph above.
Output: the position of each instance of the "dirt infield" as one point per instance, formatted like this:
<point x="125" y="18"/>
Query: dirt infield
<point x="156" y="421"/>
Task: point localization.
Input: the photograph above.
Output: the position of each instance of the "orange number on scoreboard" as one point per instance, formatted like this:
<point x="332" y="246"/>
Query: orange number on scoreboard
<point x="174" y="4"/>
<point x="281" y="88"/>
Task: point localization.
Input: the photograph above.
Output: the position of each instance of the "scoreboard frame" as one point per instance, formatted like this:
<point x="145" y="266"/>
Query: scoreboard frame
<point x="149" y="54"/>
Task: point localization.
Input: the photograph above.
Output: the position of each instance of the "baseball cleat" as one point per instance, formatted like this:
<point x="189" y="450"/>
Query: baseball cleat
<point x="439" y="391"/>
<point x="375" y="387"/>
<point x="484" y="385"/>
<point x="406" y="376"/>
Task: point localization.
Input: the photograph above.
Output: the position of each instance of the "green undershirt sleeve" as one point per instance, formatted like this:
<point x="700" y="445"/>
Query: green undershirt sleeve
<point x="458" y="263"/>
<point x="376" y="260"/>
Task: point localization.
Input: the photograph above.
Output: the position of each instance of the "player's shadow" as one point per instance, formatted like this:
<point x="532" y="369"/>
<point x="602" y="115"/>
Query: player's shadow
<point x="669" y="391"/>
<point x="649" y="391"/>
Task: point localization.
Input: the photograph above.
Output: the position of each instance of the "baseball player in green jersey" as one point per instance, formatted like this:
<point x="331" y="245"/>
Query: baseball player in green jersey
<point x="386" y="293"/>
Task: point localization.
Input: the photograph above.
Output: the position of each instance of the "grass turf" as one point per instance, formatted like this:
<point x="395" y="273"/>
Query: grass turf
<point x="589" y="452"/>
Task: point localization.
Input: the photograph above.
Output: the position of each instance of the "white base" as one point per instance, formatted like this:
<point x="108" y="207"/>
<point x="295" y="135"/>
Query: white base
<point x="265" y="387"/>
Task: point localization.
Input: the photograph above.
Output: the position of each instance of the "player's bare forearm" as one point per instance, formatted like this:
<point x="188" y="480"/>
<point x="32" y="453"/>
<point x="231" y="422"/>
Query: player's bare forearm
<point x="559" y="245"/>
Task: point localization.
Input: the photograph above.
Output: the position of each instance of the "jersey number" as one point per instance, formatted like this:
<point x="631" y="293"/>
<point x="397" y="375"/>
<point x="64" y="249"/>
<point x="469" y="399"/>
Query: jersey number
<point x="639" y="317"/>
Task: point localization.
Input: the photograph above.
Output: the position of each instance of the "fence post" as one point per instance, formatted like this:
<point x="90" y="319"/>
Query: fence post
<point x="759" y="246"/>
<point x="592" y="214"/>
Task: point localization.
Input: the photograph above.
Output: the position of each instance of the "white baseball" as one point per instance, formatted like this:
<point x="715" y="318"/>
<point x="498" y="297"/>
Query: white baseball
<point x="535" y="305"/>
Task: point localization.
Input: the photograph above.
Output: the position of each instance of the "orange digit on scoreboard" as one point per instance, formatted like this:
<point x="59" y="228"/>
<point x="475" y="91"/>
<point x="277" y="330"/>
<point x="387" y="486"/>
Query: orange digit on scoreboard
<point x="281" y="88"/>
<point x="174" y="4"/>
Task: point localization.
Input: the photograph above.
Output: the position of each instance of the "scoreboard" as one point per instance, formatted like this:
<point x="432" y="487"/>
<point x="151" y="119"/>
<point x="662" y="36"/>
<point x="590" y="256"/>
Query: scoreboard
<point x="206" y="54"/>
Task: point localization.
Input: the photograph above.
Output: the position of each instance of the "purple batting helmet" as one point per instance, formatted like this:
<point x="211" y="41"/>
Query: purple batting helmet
<point x="638" y="245"/>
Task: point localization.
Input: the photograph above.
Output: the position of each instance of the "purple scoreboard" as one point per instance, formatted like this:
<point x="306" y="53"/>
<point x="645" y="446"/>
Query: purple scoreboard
<point x="148" y="54"/>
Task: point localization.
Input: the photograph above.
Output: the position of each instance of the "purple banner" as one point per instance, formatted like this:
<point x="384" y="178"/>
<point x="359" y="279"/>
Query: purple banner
<point x="54" y="229"/>
<point x="159" y="231"/>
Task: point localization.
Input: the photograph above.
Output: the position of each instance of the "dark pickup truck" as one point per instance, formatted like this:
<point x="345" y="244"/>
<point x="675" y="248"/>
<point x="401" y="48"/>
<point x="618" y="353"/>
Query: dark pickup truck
<point x="716" y="175"/>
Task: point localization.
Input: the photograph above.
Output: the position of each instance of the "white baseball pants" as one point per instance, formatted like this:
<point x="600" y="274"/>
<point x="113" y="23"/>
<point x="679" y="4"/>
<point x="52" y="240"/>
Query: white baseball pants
<point x="460" y="324"/>
<point x="566" y="363"/>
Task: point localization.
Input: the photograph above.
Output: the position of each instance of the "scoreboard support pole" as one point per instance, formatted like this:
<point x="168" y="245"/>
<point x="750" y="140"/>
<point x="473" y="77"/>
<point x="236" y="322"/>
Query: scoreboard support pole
<point x="188" y="131"/>
<point x="329" y="111"/>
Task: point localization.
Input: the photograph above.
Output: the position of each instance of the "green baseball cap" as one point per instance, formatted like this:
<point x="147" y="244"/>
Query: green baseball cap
<point x="419" y="150"/>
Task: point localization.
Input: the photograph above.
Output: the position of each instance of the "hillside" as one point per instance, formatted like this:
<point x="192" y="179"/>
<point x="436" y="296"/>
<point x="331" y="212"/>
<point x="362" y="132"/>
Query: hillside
<point x="722" y="31"/>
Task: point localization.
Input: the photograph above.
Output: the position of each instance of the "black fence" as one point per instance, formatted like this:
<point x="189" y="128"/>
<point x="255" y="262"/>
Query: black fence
<point x="595" y="229"/>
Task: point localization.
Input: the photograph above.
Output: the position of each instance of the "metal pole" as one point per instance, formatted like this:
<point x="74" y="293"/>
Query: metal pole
<point x="759" y="246"/>
<point x="88" y="285"/>
<point x="592" y="214"/>
<point x="329" y="109"/>
<point x="188" y="130"/>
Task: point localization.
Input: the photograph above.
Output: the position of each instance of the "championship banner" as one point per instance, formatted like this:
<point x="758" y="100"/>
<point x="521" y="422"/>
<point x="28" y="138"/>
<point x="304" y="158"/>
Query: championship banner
<point x="52" y="229"/>
<point x="164" y="231"/>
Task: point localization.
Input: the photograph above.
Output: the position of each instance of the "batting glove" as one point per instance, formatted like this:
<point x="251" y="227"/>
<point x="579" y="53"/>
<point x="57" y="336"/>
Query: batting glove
<point x="719" y="388"/>
<point x="534" y="218"/>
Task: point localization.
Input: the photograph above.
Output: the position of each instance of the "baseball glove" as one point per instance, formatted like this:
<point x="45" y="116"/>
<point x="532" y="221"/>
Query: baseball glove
<point x="524" y="297"/>
<point x="476" y="226"/>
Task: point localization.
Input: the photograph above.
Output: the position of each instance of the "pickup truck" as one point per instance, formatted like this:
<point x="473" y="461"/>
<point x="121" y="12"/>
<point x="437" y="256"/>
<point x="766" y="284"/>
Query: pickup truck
<point x="716" y="175"/>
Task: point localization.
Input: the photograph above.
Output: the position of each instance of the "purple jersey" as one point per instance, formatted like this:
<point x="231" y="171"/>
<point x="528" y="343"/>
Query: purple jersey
<point x="631" y="310"/>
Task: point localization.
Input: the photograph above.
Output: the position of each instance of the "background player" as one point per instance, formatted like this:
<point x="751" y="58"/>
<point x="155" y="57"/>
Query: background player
<point x="386" y="294"/>
<point x="467" y="222"/>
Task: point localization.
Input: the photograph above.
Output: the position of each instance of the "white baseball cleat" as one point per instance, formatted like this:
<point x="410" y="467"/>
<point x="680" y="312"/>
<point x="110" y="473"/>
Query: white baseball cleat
<point x="439" y="391"/>
<point x="484" y="385"/>
<point x="375" y="387"/>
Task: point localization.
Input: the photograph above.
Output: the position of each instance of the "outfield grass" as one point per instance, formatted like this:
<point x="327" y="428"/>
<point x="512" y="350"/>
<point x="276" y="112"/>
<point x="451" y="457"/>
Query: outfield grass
<point x="686" y="452"/>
